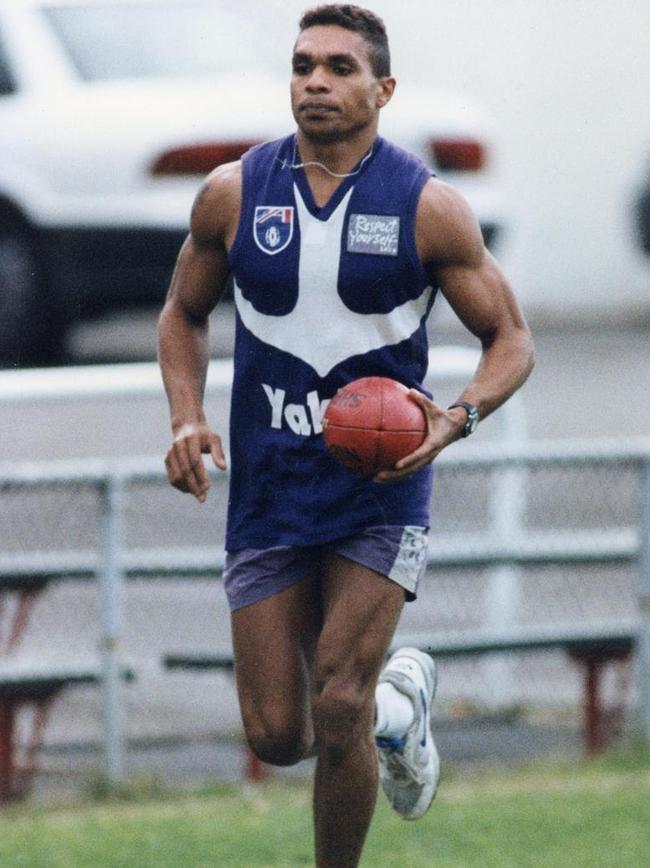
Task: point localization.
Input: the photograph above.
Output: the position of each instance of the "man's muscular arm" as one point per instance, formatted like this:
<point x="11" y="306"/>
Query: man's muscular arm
<point x="183" y="350"/>
<point x="450" y="244"/>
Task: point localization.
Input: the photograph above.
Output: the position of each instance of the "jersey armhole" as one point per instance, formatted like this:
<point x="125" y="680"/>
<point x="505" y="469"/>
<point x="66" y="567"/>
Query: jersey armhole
<point x="246" y="170"/>
<point x="419" y="183"/>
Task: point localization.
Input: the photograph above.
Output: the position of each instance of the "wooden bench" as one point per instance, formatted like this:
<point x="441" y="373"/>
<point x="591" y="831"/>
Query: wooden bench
<point x="37" y="686"/>
<point x="592" y="646"/>
<point x="29" y="685"/>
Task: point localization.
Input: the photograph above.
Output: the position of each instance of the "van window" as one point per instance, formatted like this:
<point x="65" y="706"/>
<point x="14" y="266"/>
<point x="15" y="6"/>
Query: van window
<point x="157" y="39"/>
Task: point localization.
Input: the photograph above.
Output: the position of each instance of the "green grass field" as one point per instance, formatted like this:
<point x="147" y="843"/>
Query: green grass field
<point x="587" y="814"/>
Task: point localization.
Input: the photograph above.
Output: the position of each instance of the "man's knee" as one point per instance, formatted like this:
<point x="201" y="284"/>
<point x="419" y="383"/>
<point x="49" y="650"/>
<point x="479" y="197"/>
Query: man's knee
<point x="276" y="739"/>
<point x="342" y="714"/>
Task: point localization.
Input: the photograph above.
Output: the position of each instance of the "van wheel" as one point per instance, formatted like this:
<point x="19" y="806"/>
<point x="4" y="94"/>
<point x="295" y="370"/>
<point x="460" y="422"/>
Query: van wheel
<point x="30" y="330"/>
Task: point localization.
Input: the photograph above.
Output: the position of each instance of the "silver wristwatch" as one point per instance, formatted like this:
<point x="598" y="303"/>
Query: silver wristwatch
<point x="473" y="417"/>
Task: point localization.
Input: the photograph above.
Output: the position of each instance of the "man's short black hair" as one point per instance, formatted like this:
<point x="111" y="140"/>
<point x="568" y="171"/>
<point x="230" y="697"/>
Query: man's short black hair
<point x="361" y="21"/>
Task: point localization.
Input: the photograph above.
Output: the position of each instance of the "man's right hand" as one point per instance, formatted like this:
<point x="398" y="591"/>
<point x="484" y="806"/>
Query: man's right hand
<point x="184" y="462"/>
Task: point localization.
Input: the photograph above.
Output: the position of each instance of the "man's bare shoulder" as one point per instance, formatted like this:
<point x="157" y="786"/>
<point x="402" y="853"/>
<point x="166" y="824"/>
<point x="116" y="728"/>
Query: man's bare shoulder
<point x="216" y="208"/>
<point x="447" y="231"/>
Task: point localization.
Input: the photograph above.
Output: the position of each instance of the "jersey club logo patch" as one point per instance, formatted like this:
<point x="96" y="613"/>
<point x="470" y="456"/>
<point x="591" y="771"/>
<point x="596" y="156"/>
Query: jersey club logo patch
<point x="273" y="227"/>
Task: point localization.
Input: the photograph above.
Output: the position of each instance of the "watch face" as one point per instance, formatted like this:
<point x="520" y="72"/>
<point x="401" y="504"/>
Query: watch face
<point x="473" y="417"/>
<point x="472" y="421"/>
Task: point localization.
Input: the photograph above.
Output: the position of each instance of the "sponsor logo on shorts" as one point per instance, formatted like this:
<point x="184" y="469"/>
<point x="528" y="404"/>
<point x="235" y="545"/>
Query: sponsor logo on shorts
<point x="411" y="559"/>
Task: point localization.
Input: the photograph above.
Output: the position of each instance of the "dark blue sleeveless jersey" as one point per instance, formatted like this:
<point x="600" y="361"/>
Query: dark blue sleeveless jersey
<point x="323" y="296"/>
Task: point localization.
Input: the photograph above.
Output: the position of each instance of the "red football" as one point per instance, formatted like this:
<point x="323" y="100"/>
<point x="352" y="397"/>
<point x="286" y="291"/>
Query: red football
<point x="371" y="423"/>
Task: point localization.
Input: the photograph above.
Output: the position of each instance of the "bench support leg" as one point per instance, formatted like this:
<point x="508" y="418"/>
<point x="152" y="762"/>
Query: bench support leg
<point x="593" y="711"/>
<point x="7" y="721"/>
<point x="27" y="770"/>
<point x="17" y="777"/>
<point x="593" y="660"/>
<point x="26" y="600"/>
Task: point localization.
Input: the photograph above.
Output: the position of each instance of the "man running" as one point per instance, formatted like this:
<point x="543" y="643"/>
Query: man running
<point x="337" y="242"/>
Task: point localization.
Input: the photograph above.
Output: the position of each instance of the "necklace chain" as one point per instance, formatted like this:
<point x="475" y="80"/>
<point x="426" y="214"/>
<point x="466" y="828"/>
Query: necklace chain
<point x="294" y="165"/>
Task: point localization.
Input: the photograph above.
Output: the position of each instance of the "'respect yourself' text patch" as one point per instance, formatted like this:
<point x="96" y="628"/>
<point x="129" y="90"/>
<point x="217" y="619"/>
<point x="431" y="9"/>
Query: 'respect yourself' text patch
<point x="373" y="233"/>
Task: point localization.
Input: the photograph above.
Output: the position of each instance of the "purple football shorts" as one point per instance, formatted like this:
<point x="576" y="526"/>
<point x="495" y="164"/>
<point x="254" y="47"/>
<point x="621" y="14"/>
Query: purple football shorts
<point x="396" y="551"/>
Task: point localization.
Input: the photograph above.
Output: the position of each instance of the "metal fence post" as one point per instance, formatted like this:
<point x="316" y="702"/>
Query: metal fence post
<point x="503" y="594"/>
<point x="111" y="583"/>
<point x="644" y="600"/>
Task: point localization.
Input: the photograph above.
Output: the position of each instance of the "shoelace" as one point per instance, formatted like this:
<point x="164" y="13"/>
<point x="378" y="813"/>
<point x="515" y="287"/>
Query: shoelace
<point x="398" y="767"/>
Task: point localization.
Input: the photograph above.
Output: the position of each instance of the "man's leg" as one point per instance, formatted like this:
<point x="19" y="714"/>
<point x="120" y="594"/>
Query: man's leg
<point x="273" y="642"/>
<point x="360" y="613"/>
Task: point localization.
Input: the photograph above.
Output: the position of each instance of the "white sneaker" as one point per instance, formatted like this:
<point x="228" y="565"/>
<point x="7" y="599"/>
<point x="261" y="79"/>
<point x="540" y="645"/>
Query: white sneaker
<point x="409" y="767"/>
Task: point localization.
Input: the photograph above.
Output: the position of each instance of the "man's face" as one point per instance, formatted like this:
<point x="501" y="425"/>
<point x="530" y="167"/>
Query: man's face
<point x="334" y="93"/>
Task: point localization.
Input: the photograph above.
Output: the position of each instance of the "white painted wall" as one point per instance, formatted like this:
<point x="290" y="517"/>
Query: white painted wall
<point x="568" y="83"/>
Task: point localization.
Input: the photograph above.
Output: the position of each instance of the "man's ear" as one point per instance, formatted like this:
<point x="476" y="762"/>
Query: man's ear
<point x="386" y="89"/>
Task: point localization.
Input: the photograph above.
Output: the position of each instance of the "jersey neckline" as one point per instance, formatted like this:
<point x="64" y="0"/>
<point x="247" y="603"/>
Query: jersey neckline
<point x="337" y="196"/>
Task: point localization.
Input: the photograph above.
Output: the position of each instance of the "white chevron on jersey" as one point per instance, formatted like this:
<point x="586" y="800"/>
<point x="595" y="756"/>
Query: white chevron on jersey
<point x="320" y="329"/>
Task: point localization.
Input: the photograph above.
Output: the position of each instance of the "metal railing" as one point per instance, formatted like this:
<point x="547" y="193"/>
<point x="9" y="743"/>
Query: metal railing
<point x="113" y="563"/>
<point x="504" y="546"/>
